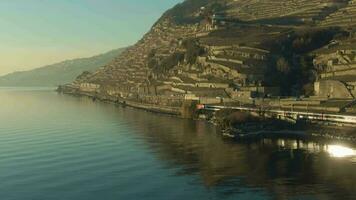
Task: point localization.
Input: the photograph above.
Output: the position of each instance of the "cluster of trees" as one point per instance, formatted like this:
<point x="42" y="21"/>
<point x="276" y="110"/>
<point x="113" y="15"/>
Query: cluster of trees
<point x="193" y="50"/>
<point x="227" y="119"/>
<point x="164" y="65"/>
<point x="307" y="41"/>
<point x="295" y="76"/>
<point x="292" y="66"/>
<point x="161" y="66"/>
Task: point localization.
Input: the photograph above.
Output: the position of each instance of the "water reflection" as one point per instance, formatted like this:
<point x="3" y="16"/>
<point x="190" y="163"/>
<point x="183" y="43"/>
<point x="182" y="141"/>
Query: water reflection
<point x="334" y="150"/>
<point x="191" y="151"/>
<point x="285" y="168"/>
<point x="340" y="151"/>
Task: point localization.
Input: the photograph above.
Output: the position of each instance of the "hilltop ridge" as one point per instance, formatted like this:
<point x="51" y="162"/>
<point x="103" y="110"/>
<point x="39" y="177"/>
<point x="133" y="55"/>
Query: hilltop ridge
<point x="58" y="73"/>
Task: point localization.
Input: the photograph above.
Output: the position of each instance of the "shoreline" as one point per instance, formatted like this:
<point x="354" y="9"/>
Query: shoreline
<point x="228" y="134"/>
<point x="174" y="111"/>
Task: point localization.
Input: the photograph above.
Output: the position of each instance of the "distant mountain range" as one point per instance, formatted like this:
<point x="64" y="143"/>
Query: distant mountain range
<point x="59" y="73"/>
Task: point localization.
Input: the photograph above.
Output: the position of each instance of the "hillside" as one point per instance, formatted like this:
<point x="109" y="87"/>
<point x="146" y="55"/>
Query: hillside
<point x="59" y="73"/>
<point x="236" y="49"/>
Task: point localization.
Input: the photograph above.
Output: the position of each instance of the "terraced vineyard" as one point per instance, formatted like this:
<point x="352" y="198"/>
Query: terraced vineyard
<point x="345" y="16"/>
<point x="302" y="10"/>
<point x="238" y="49"/>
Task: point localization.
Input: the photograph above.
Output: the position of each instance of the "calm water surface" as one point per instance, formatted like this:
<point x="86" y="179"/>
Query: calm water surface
<point x="55" y="147"/>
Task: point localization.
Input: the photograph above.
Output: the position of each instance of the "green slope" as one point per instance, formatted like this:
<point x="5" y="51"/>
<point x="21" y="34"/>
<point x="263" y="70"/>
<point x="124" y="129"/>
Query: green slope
<point x="59" y="73"/>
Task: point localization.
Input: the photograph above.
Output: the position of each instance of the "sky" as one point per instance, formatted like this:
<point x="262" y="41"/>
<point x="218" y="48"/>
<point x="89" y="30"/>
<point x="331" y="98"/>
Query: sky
<point x="34" y="33"/>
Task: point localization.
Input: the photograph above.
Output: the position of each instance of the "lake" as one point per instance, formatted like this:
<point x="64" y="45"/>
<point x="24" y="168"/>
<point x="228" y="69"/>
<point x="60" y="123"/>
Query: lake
<point x="59" y="147"/>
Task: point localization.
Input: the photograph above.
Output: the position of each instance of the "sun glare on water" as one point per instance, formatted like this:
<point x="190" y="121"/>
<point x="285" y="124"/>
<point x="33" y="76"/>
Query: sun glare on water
<point x="340" y="151"/>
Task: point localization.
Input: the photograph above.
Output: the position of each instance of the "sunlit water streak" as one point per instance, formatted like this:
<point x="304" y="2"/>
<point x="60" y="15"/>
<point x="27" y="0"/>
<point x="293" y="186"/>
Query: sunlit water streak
<point x="60" y="147"/>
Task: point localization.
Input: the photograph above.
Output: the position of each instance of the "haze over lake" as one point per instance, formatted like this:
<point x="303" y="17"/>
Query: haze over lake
<point x="60" y="147"/>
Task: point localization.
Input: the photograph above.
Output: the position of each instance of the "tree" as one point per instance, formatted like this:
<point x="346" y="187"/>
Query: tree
<point x="152" y="63"/>
<point x="283" y="66"/>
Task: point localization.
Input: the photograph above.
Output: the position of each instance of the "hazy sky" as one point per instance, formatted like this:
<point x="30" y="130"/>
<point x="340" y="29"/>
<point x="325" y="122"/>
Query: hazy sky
<point x="34" y="33"/>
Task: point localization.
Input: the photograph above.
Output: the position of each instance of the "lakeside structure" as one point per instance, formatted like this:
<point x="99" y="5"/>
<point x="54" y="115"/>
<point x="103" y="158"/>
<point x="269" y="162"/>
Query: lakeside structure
<point x="237" y="54"/>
